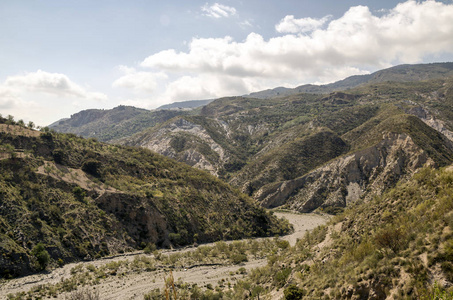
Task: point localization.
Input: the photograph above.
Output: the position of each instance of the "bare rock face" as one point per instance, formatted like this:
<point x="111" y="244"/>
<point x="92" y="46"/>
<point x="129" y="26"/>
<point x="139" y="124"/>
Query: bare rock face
<point x="143" y="220"/>
<point x="165" y="142"/>
<point x="348" y="178"/>
<point x="431" y="121"/>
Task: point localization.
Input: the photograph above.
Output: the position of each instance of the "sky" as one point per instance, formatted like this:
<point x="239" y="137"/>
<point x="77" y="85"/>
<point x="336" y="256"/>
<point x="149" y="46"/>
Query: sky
<point x="60" y="57"/>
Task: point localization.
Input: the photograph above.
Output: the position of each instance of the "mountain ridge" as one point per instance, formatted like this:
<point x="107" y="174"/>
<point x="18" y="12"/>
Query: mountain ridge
<point x="258" y="145"/>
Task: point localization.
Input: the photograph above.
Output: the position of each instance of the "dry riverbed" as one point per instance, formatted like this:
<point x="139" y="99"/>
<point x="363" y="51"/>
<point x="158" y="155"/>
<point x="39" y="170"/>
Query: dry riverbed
<point x="135" y="285"/>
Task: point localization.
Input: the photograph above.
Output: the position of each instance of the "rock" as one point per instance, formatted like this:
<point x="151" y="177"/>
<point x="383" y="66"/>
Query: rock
<point x="346" y="179"/>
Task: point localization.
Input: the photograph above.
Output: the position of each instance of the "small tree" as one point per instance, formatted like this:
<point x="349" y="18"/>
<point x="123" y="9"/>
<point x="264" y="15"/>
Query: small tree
<point x="79" y="193"/>
<point x="8" y="148"/>
<point x="10" y="120"/>
<point x="31" y="125"/>
<point x="41" y="255"/>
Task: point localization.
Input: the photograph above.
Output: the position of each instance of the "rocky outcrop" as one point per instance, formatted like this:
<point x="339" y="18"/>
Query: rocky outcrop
<point x="187" y="142"/>
<point x="346" y="179"/>
<point x="140" y="217"/>
<point x="430" y="120"/>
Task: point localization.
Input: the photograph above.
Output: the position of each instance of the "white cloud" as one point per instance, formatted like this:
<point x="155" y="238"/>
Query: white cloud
<point x="8" y="98"/>
<point x="217" y="10"/>
<point x="205" y="86"/>
<point x="139" y="81"/>
<point x="246" y="24"/>
<point x="307" y="51"/>
<point x="51" y="83"/>
<point x="40" y="81"/>
<point x="291" y="25"/>
<point x="44" y="97"/>
<point x="358" y="39"/>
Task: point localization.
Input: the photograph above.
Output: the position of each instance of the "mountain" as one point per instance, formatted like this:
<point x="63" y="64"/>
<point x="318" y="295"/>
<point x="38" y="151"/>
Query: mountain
<point x="327" y="148"/>
<point x="123" y="121"/>
<point x="401" y="73"/>
<point x="310" y="151"/>
<point x="64" y="198"/>
<point x="108" y="125"/>
<point x="190" y="104"/>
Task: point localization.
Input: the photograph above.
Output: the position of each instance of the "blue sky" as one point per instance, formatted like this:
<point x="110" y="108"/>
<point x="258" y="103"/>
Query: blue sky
<point x="60" y="57"/>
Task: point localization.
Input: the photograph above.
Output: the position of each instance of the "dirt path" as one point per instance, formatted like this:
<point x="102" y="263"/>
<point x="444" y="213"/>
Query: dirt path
<point x="134" y="286"/>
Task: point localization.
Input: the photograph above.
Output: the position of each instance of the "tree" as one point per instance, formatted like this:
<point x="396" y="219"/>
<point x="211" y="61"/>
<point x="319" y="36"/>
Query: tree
<point x="257" y="291"/>
<point x="41" y="255"/>
<point x="8" y="148"/>
<point x="31" y="125"/>
<point x="79" y="193"/>
<point x="10" y="120"/>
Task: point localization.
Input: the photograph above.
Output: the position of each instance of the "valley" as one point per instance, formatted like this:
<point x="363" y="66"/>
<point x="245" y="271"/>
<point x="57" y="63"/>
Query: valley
<point x="128" y="203"/>
<point x="135" y="284"/>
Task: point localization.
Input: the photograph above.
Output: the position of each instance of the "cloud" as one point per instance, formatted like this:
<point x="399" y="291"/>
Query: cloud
<point x="205" y="86"/>
<point x="139" y="81"/>
<point x="9" y="98"/>
<point x="218" y="11"/>
<point x="306" y="50"/>
<point x="358" y="39"/>
<point x="291" y="25"/>
<point x="44" y="97"/>
<point x="51" y="83"/>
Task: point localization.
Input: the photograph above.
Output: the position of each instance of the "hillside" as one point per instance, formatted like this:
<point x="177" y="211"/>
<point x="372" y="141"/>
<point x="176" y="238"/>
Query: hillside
<point x="401" y="73"/>
<point x="189" y="104"/>
<point x="108" y="125"/>
<point x="64" y="198"/>
<point x="397" y="246"/>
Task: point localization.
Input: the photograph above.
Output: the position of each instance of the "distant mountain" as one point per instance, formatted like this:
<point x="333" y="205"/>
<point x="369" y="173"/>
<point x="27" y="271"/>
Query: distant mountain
<point x="401" y="73"/>
<point x="64" y="198"/>
<point x="190" y="104"/>
<point x="110" y="124"/>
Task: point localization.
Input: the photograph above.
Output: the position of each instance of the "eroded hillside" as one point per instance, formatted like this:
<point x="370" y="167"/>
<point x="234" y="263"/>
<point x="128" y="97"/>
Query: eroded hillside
<point x="76" y="198"/>
<point x="307" y="151"/>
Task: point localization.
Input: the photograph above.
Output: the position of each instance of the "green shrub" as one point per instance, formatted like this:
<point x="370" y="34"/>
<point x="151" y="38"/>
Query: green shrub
<point x="292" y="292"/>
<point x="41" y="255"/>
<point x="238" y="258"/>
<point x="390" y="237"/>
<point x="79" y="193"/>
<point x="149" y="248"/>
<point x="281" y="277"/>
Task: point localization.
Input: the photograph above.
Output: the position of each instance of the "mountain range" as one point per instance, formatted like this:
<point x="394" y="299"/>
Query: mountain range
<point x="306" y="148"/>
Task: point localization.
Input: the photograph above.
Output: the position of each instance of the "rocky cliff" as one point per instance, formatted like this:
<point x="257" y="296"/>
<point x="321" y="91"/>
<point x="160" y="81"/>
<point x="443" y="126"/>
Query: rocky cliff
<point x="347" y="178"/>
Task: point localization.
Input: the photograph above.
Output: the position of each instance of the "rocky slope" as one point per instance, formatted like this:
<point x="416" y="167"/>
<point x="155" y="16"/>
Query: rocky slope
<point x="308" y="151"/>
